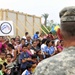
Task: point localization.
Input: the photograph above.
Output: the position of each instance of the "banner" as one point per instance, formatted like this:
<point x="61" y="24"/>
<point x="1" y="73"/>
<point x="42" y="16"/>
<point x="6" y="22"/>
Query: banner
<point x="6" y="28"/>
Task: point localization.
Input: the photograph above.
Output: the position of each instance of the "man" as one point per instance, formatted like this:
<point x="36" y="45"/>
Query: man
<point x="64" y="62"/>
<point x="24" y="37"/>
<point x="50" y="36"/>
<point x="36" y="35"/>
<point x="28" y="39"/>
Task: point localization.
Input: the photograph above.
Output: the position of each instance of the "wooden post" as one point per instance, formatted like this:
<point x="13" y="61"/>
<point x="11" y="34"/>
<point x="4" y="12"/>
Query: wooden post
<point x="16" y="23"/>
<point x="33" y="24"/>
<point x="1" y="14"/>
<point x="6" y="14"/>
<point x="40" y="25"/>
<point x="26" y="20"/>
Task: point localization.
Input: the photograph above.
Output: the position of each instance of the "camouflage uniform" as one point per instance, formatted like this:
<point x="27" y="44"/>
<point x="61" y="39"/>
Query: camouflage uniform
<point x="64" y="62"/>
<point x="67" y="14"/>
<point x="60" y="64"/>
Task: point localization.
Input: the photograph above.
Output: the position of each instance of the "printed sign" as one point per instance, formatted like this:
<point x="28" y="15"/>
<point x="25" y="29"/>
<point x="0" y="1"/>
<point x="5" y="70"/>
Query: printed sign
<point x="6" y="28"/>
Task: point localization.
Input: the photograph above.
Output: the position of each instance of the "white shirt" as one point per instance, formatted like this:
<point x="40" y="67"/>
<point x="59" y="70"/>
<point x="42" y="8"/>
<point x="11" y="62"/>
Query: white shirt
<point x="43" y="47"/>
<point x="26" y="72"/>
<point x="24" y="37"/>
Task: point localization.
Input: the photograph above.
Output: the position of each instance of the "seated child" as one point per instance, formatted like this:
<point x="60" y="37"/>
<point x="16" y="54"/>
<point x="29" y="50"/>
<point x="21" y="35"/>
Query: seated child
<point x="28" y="70"/>
<point x="34" y="62"/>
<point x="9" y="65"/>
<point x="2" y="58"/>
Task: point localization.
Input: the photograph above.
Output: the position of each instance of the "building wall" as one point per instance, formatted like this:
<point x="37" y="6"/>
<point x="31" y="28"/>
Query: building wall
<point x="21" y="22"/>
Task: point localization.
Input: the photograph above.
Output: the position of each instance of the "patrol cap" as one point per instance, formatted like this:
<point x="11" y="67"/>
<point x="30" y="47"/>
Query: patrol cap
<point x="67" y="14"/>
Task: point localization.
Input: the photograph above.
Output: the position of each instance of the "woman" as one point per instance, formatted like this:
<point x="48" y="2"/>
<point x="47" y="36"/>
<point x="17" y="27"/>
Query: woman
<point x="59" y="46"/>
<point x="12" y="51"/>
<point x="28" y="49"/>
<point x="49" y="49"/>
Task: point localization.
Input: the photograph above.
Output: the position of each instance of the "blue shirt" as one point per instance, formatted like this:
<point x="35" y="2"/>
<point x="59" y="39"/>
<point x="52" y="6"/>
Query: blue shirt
<point x="26" y="72"/>
<point x="23" y="56"/>
<point x="35" y="36"/>
<point x="51" y="51"/>
<point x="46" y="49"/>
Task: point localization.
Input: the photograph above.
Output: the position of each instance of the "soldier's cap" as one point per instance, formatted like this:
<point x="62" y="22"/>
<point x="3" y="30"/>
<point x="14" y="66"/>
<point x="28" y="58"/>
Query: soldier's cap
<point x="67" y="14"/>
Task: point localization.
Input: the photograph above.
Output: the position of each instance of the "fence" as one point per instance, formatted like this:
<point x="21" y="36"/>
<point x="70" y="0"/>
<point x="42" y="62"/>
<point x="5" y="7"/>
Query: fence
<point x="22" y="22"/>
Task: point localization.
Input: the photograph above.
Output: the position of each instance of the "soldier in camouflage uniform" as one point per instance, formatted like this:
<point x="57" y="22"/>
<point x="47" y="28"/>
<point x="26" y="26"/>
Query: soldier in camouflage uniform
<point x="64" y="62"/>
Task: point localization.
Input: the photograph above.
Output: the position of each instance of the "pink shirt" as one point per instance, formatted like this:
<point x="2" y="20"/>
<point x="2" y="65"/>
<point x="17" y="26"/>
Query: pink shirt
<point x="60" y="47"/>
<point x="29" y="52"/>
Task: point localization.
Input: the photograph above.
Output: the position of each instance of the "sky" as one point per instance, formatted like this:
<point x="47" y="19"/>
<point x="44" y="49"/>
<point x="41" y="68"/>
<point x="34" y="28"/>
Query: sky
<point x="38" y="7"/>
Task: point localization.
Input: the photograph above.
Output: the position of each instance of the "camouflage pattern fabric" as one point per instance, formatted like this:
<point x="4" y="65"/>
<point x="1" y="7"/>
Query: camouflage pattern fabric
<point x="60" y="64"/>
<point x="67" y="14"/>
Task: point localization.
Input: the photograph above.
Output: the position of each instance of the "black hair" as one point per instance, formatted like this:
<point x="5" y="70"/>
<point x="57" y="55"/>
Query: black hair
<point x="25" y="45"/>
<point x="22" y="39"/>
<point x="50" y="33"/>
<point x="44" y="40"/>
<point x="28" y="44"/>
<point x="13" y="39"/>
<point x="61" y="41"/>
<point x="52" y="42"/>
<point x="34" y="56"/>
<point x="26" y="33"/>
<point x="33" y="41"/>
<point x="37" y="32"/>
<point x="9" y="55"/>
<point x="10" y="45"/>
<point x="28" y="66"/>
<point x="3" y="53"/>
<point x="1" y="67"/>
<point x="47" y="42"/>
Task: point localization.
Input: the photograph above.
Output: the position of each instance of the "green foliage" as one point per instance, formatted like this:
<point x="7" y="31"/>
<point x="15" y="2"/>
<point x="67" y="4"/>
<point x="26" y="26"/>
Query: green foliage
<point x="48" y="27"/>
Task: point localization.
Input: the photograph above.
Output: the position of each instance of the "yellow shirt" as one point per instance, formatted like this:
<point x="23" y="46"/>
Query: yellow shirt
<point x="2" y="61"/>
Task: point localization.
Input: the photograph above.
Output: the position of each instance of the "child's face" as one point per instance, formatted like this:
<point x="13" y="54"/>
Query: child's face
<point x="23" y="42"/>
<point x="50" y="44"/>
<point x="29" y="46"/>
<point x="30" y="69"/>
<point x="62" y="43"/>
<point x="9" y="58"/>
<point x="35" y="59"/>
<point x="3" y="56"/>
<point x="39" y="53"/>
<point x="35" y="44"/>
<point x="24" y="49"/>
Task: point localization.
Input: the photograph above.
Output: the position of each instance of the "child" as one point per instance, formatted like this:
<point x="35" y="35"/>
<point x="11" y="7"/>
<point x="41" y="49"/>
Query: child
<point x="1" y="73"/>
<point x="34" y="62"/>
<point x="9" y="65"/>
<point x="2" y="58"/>
<point x="25" y="58"/>
<point x="28" y="70"/>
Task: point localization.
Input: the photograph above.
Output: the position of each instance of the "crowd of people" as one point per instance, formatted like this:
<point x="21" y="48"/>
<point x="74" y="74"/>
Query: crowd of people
<point x="20" y="56"/>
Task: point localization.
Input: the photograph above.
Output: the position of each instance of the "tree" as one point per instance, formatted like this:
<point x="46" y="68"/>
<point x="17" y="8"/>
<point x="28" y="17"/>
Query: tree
<point x="45" y="15"/>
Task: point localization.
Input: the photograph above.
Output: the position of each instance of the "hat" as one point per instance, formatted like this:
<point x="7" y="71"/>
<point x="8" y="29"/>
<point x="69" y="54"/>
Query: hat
<point x="67" y="14"/>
